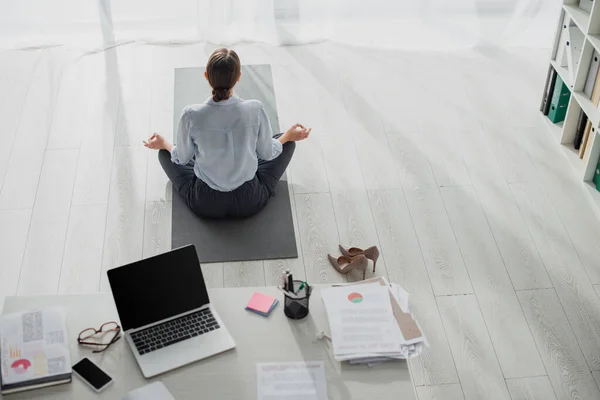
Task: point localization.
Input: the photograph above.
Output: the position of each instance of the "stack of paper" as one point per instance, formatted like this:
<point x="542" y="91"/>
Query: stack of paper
<point x="370" y="322"/>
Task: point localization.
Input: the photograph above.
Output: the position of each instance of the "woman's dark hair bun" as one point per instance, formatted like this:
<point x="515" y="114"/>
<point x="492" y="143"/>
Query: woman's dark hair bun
<point x="221" y="94"/>
<point x="223" y="70"/>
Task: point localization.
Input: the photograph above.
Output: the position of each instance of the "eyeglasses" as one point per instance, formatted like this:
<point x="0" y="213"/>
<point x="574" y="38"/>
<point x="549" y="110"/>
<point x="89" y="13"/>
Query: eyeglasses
<point x="100" y="337"/>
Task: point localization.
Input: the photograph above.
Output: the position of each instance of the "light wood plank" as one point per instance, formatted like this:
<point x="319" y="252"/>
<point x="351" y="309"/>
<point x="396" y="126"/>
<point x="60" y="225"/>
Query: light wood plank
<point x="213" y="275"/>
<point x="318" y="235"/>
<point x="71" y="106"/>
<point x="359" y="107"/>
<point x="133" y="121"/>
<point x="158" y="186"/>
<point x="476" y="362"/>
<point x="350" y="202"/>
<point x="14" y="227"/>
<point x="161" y="108"/>
<point x="401" y="251"/>
<point x="375" y="159"/>
<point x="315" y="71"/>
<point x="82" y="260"/>
<point x="576" y="294"/>
<point x="565" y="363"/>
<point x="500" y="307"/>
<point x="534" y="388"/>
<point x="98" y="141"/>
<point x="513" y="158"/>
<point x="440" y="392"/>
<point x="300" y="95"/>
<point x="578" y="215"/>
<point x="414" y="107"/>
<point x="442" y="256"/>
<point x="518" y="249"/>
<point x="442" y="150"/>
<point x="308" y="166"/>
<point x="295" y="104"/>
<point x="16" y="68"/>
<point x="275" y="268"/>
<point x="520" y="255"/>
<point x="43" y="257"/>
<point x="243" y="274"/>
<point x="21" y="179"/>
<point x="157" y="228"/>
<point x="124" y="237"/>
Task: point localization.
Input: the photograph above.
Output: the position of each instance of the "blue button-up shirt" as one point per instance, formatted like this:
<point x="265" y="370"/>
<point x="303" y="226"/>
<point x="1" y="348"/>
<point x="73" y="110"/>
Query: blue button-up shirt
<point x="226" y="139"/>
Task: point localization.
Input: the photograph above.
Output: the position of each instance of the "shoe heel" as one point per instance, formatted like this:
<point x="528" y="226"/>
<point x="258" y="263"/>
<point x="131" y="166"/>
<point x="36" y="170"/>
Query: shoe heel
<point x="375" y="258"/>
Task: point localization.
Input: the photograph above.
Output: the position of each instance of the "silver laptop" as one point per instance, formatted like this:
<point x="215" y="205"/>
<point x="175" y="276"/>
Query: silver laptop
<point x="165" y="311"/>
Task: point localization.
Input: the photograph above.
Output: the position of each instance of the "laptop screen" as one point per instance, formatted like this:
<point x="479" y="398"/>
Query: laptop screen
<point x="158" y="287"/>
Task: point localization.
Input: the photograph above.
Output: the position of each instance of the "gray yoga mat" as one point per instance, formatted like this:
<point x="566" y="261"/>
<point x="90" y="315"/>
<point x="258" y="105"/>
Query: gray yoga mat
<point x="267" y="235"/>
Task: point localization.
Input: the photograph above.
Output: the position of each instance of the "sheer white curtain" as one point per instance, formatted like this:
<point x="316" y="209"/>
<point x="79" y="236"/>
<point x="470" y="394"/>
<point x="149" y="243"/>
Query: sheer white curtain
<point x="93" y="24"/>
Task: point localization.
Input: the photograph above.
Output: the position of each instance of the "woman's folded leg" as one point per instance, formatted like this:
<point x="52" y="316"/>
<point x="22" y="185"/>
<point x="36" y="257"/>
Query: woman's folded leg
<point x="270" y="172"/>
<point x="182" y="176"/>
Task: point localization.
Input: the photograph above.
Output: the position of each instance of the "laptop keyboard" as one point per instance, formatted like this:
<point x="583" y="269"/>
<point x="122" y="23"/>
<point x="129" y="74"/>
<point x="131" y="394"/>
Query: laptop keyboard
<point x="174" y="331"/>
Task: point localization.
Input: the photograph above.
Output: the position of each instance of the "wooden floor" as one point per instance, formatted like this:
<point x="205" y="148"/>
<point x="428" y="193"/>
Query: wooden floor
<point x="439" y="158"/>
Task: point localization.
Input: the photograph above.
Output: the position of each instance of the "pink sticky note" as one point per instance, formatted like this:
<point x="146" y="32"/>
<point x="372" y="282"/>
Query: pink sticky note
<point x="261" y="303"/>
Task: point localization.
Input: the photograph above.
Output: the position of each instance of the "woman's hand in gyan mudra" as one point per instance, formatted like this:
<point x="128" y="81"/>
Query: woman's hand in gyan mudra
<point x="157" y="142"/>
<point x="296" y="133"/>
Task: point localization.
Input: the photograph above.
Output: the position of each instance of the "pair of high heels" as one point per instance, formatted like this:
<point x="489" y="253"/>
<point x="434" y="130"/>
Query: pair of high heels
<point x="354" y="258"/>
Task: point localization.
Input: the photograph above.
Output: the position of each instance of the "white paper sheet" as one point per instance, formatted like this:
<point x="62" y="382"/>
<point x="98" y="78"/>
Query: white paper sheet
<point x="361" y="320"/>
<point x="291" y="381"/>
<point x="153" y="391"/>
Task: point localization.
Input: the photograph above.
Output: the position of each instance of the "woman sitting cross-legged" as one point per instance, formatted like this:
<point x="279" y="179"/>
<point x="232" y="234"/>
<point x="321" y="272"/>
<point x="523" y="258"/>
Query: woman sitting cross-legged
<point x="226" y="162"/>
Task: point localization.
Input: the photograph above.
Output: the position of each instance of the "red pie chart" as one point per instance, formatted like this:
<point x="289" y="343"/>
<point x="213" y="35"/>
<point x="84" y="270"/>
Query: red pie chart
<point x="20" y="366"/>
<point x="355" y="297"/>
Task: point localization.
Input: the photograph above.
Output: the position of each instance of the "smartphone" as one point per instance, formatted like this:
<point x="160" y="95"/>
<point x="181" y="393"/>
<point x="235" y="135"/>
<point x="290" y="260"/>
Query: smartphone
<point x="91" y="374"/>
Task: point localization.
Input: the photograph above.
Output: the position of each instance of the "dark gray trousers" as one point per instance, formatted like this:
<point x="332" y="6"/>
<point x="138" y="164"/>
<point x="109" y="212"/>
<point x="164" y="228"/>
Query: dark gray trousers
<point x="244" y="201"/>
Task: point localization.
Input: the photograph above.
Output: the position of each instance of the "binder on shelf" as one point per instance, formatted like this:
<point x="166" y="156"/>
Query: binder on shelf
<point x="574" y="47"/>
<point x="588" y="145"/>
<point x="586" y="135"/>
<point x="596" y="91"/>
<point x="592" y="74"/>
<point x="559" y="102"/>
<point x="586" y="5"/>
<point x="596" y="178"/>
<point x="548" y="90"/>
<point x="561" y="54"/>
<point x="581" y="123"/>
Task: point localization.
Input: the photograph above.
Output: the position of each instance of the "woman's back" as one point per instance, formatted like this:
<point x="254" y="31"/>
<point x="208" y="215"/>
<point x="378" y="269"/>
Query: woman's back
<point x="226" y="138"/>
<point x="226" y="163"/>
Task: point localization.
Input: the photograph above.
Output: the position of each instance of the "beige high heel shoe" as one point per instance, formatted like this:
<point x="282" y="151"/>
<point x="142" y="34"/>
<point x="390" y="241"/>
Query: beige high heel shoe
<point x="345" y="264"/>
<point x="372" y="253"/>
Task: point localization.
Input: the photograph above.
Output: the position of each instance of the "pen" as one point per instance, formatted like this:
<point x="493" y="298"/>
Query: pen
<point x="301" y="286"/>
<point x="290" y="283"/>
<point x="286" y="277"/>
<point x="283" y="282"/>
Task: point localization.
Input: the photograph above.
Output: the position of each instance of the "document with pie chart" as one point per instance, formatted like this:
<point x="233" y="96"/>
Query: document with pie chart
<point x="33" y="347"/>
<point x="362" y="322"/>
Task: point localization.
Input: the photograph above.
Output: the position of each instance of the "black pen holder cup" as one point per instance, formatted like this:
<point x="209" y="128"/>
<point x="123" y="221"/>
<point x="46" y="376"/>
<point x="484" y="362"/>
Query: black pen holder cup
<point x="297" y="307"/>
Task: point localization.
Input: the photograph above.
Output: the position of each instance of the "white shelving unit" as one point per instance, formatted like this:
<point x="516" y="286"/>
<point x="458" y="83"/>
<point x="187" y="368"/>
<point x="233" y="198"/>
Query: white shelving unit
<point x="589" y="26"/>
